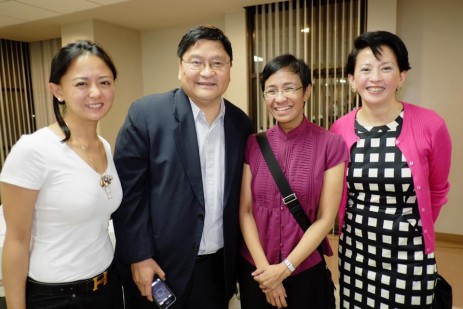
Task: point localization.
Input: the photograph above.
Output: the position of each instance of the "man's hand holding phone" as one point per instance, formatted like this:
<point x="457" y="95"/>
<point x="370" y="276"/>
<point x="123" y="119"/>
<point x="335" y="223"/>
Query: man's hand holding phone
<point x="162" y="294"/>
<point x="143" y="273"/>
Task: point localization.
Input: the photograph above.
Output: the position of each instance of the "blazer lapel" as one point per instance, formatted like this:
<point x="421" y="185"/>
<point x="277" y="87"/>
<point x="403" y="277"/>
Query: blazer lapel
<point x="187" y="143"/>
<point x="232" y="143"/>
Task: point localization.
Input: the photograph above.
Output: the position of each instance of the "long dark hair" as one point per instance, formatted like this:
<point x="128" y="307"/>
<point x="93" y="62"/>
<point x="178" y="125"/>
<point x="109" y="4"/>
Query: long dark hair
<point x="60" y="65"/>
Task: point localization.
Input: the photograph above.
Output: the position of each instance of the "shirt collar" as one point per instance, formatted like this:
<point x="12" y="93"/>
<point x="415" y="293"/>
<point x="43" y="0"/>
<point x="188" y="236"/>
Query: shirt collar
<point x="294" y="132"/>
<point x="197" y="111"/>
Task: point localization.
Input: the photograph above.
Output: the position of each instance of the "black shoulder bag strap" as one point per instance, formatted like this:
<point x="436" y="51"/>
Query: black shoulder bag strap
<point x="289" y="198"/>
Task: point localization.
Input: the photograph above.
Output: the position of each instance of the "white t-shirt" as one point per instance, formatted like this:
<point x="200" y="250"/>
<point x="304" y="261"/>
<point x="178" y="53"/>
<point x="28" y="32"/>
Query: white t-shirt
<point x="70" y="238"/>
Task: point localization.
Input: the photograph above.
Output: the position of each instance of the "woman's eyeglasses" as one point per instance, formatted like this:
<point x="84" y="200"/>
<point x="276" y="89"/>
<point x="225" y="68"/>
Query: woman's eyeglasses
<point x="272" y="93"/>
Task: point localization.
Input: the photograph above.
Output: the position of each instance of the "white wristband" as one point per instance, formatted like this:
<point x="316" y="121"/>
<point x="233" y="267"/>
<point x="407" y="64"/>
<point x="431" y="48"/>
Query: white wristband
<point x="289" y="265"/>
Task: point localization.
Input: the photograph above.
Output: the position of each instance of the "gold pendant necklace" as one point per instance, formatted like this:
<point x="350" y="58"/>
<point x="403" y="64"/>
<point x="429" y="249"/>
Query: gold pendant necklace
<point x="105" y="179"/>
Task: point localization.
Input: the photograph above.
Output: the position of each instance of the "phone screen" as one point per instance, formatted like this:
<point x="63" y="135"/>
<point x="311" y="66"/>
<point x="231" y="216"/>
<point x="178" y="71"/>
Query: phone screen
<point x="163" y="296"/>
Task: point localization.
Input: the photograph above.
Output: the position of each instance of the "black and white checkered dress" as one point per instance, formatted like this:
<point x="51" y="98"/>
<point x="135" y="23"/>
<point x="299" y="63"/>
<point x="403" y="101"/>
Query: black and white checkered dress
<point x="382" y="261"/>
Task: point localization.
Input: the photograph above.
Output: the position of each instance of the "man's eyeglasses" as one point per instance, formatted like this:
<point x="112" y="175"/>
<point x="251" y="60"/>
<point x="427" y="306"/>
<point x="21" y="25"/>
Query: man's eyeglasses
<point x="272" y="93"/>
<point x="199" y="65"/>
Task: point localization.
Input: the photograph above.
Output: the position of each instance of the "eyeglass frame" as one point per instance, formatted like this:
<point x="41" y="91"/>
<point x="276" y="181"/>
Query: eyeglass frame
<point x="285" y="92"/>
<point x="202" y="64"/>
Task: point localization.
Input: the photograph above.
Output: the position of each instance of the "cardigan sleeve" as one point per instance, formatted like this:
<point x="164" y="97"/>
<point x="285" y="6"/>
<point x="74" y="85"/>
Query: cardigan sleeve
<point x="439" y="167"/>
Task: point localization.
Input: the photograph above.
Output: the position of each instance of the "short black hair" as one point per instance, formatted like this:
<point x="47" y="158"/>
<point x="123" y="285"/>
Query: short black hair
<point x="290" y="62"/>
<point x="374" y="40"/>
<point x="205" y="32"/>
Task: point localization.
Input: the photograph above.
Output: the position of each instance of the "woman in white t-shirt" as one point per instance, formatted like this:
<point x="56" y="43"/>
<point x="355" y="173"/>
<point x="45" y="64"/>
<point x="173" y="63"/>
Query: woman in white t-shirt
<point x="59" y="188"/>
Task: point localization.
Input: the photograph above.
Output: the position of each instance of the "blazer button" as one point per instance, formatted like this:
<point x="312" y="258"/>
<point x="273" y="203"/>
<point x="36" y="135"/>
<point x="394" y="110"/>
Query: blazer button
<point x="196" y="249"/>
<point x="201" y="217"/>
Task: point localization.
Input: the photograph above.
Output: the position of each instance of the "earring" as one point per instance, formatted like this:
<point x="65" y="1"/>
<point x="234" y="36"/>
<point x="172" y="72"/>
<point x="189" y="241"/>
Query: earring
<point x="354" y="90"/>
<point x="60" y="100"/>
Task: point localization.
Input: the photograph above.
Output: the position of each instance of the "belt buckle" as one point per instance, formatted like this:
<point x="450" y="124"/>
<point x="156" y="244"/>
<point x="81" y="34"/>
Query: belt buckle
<point x="102" y="279"/>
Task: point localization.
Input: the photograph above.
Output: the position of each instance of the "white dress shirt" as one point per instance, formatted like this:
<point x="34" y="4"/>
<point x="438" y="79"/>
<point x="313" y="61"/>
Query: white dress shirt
<point x="211" y="143"/>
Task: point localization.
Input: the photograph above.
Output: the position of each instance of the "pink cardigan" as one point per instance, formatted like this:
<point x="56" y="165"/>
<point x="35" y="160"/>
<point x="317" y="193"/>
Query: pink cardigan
<point x="425" y="143"/>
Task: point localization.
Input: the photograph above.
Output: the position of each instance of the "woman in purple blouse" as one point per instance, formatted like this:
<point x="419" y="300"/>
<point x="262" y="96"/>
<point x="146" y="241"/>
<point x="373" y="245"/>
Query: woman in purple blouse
<point x="281" y="265"/>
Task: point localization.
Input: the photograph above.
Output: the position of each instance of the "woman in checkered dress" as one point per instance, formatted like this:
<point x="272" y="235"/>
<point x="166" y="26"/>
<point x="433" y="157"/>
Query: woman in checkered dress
<point x="397" y="182"/>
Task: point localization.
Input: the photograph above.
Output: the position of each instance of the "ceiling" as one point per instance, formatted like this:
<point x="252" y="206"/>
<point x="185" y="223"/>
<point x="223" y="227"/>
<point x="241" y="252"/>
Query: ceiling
<point x="34" y="20"/>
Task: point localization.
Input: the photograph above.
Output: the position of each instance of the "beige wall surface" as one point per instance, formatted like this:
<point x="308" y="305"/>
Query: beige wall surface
<point x="432" y="32"/>
<point x="382" y="15"/>
<point x="124" y="46"/>
<point x="235" y="28"/>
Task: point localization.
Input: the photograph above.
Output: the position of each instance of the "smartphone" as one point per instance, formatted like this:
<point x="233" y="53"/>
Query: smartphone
<point x="162" y="295"/>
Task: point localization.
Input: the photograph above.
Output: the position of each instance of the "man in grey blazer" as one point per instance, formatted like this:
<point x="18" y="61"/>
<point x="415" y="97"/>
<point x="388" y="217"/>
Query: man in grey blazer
<point x="179" y="156"/>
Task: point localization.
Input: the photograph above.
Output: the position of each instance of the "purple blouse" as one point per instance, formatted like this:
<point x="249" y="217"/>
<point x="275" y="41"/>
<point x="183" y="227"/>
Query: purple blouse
<point x="304" y="154"/>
